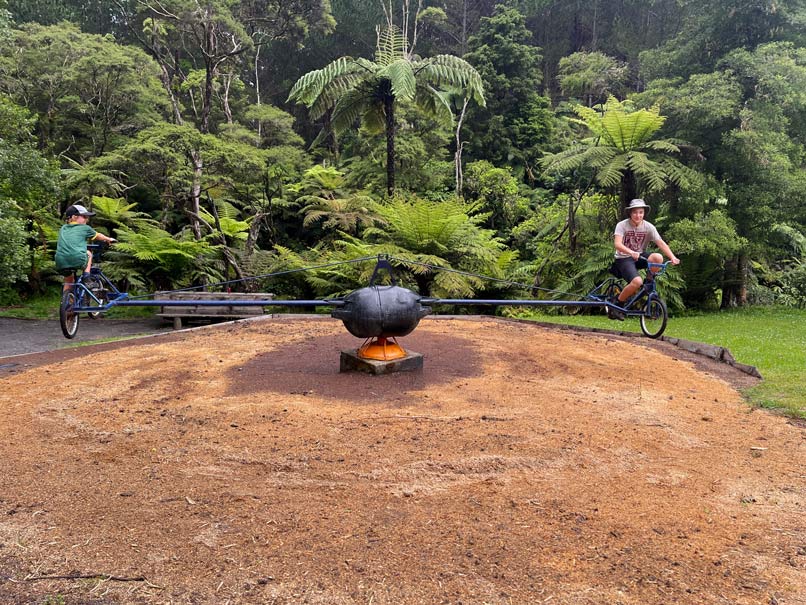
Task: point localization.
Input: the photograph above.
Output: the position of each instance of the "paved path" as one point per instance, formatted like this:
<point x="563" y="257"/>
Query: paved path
<point x="20" y="336"/>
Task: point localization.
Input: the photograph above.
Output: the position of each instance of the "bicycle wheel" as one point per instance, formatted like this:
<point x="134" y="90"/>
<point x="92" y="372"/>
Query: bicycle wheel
<point x="653" y="321"/>
<point x="68" y="318"/>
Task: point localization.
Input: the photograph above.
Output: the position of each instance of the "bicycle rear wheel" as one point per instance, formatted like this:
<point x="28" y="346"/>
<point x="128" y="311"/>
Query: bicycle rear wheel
<point x="653" y="321"/>
<point x="68" y="318"/>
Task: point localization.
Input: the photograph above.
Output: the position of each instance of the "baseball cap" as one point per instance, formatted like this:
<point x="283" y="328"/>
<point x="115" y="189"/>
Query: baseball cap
<point x="78" y="209"/>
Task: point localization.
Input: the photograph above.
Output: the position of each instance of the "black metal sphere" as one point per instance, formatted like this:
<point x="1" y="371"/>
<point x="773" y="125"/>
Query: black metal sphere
<point x="381" y="311"/>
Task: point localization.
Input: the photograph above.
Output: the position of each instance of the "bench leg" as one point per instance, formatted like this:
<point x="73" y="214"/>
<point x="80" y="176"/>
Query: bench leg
<point x="177" y="323"/>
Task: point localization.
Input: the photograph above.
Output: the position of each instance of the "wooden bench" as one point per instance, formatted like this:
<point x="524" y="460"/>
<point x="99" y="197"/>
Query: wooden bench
<point x="205" y="312"/>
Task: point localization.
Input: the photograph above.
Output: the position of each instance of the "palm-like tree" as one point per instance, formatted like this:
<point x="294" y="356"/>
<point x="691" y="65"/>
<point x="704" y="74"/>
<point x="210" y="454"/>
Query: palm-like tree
<point x="622" y="151"/>
<point x="368" y="90"/>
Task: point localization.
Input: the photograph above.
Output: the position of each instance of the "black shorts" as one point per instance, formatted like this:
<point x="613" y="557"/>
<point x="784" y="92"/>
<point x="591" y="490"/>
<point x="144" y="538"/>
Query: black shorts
<point x="627" y="268"/>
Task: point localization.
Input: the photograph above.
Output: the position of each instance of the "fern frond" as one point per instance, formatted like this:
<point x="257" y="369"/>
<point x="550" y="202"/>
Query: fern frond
<point x="647" y="170"/>
<point x="391" y="46"/>
<point x="401" y="75"/>
<point x="350" y="106"/>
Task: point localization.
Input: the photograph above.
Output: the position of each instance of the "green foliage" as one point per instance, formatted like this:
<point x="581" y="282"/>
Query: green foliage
<point x="705" y="243"/>
<point x="359" y="89"/>
<point x="325" y="201"/>
<point x="167" y="261"/>
<point x="275" y="126"/>
<point x="591" y="76"/>
<point x="516" y="120"/>
<point x="498" y="193"/>
<point x="709" y="31"/>
<point x="90" y="92"/>
<point x="622" y="151"/>
<point x="118" y="213"/>
<point x="421" y="159"/>
<point x="14" y="258"/>
<point x="443" y="234"/>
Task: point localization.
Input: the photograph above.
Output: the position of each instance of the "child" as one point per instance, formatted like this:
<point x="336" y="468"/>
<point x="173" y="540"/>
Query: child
<point x="71" y="248"/>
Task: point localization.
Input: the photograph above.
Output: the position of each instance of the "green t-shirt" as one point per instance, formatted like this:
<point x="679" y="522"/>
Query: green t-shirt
<point x="71" y="247"/>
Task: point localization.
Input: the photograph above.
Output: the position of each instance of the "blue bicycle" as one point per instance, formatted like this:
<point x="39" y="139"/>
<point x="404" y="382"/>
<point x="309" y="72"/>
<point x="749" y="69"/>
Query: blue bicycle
<point x="89" y="294"/>
<point x="646" y="303"/>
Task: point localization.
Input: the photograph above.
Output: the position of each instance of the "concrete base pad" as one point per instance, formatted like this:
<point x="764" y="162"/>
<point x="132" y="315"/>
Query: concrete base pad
<point x="351" y="362"/>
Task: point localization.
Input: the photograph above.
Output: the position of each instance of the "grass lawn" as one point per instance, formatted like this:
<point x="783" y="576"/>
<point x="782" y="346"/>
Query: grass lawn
<point x="46" y="306"/>
<point x="772" y="339"/>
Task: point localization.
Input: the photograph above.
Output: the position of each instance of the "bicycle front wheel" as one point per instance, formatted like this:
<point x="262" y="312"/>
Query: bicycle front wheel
<point x="68" y="318"/>
<point x="653" y="321"/>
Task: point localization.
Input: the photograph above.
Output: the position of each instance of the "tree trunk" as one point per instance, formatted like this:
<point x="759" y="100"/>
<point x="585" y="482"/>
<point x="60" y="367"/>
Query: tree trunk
<point x="457" y="158"/>
<point x="210" y="66"/>
<point x="629" y="191"/>
<point x="572" y="226"/>
<point x="734" y="282"/>
<point x="165" y="78"/>
<point x="257" y="90"/>
<point x="208" y="98"/>
<point x="195" y="192"/>
<point x="389" y="109"/>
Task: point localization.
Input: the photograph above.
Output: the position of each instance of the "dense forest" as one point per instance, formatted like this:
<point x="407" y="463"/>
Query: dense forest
<point x="223" y="139"/>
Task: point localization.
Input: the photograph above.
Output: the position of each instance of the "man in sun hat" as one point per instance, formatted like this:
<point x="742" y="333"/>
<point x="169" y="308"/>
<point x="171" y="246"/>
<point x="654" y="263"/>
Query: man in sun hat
<point x="71" y="247"/>
<point x="631" y="238"/>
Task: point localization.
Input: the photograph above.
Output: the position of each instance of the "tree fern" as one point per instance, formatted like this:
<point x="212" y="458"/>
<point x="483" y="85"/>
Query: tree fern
<point x="622" y="152"/>
<point x="359" y="89"/>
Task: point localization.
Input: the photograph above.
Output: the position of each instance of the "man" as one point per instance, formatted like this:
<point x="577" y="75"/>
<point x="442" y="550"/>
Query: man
<point x="71" y="247"/>
<point x="632" y="236"/>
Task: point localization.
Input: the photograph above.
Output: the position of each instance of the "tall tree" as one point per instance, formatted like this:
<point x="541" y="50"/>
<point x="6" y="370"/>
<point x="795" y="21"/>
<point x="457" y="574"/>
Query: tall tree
<point x="88" y="92"/>
<point x="623" y="152"/>
<point x="370" y="90"/>
<point x="516" y="120"/>
<point x="591" y="77"/>
<point x="712" y="30"/>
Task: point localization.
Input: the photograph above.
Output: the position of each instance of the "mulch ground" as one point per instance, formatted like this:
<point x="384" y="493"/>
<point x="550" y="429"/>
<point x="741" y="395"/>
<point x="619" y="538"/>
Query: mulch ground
<point x="235" y="464"/>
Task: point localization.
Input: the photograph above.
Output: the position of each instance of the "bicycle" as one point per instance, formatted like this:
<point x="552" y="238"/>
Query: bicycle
<point x="645" y="304"/>
<point x="90" y="294"/>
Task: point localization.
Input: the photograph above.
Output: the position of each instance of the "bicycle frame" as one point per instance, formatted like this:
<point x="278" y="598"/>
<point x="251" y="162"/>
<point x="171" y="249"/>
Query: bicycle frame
<point x="80" y="289"/>
<point x="647" y="289"/>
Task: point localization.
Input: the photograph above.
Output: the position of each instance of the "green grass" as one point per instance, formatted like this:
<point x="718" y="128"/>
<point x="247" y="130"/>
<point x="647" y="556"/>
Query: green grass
<point x="46" y="306"/>
<point x="771" y="338"/>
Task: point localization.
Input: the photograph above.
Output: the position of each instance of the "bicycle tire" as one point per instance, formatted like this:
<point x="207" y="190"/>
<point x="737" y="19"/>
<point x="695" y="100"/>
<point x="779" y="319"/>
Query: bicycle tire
<point x="654" y="318"/>
<point x="68" y="318"/>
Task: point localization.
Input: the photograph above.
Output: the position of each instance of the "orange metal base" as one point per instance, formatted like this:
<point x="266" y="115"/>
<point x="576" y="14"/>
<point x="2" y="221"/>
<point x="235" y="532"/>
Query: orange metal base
<point x="381" y="349"/>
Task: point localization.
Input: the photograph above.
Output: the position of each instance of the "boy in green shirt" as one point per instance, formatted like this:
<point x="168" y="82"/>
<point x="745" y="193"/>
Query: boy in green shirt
<point x="71" y="247"/>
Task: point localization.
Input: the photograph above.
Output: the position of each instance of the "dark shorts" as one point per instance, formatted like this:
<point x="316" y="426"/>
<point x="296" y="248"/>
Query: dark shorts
<point x="627" y="268"/>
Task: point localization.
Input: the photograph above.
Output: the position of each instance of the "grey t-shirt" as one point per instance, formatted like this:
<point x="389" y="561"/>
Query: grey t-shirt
<point x="636" y="238"/>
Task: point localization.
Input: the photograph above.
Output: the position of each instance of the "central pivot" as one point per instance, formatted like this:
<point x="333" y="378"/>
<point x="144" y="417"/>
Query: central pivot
<point x="381" y="349"/>
<point x="379" y="314"/>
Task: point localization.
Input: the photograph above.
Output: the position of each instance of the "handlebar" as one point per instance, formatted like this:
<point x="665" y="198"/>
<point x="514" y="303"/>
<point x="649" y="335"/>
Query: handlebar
<point x="661" y="268"/>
